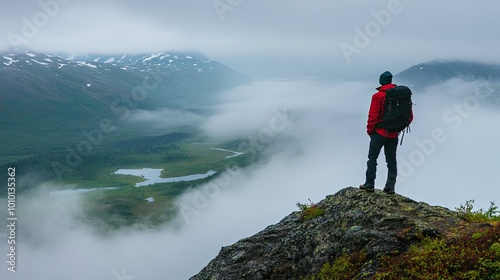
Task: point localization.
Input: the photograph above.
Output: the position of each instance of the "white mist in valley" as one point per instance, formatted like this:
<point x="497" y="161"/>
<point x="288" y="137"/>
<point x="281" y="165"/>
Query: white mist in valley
<point x="315" y="134"/>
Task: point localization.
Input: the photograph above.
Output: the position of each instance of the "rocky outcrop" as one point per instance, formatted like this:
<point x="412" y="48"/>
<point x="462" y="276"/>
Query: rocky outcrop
<point x="353" y="221"/>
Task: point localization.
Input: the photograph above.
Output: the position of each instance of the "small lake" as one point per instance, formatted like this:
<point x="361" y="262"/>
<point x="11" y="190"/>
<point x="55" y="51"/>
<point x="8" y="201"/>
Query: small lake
<point x="152" y="176"/>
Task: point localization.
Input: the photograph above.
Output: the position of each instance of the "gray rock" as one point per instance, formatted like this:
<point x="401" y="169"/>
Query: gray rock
<point x="353" y="221"/>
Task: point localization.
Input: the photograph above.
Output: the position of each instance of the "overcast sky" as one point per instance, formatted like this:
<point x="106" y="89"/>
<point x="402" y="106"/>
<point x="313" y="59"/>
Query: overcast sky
<point x="264" y="38"/>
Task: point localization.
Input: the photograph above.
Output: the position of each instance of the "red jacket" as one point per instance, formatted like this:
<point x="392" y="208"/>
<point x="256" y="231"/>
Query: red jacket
<point x="376" y="113"/>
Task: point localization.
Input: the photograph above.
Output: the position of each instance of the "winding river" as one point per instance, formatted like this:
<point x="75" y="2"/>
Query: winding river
<point x="152" y="176"/>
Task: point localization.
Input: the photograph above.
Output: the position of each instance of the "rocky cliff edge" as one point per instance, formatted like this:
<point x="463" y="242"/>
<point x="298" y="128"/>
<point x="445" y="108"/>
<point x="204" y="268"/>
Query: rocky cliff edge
<point x="353" y="221"/>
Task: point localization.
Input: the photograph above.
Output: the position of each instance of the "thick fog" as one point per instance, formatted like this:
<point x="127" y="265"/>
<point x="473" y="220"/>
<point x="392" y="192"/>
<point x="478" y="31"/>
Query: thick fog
<point x="164" y="118"/>
<point x="314" y="137"/>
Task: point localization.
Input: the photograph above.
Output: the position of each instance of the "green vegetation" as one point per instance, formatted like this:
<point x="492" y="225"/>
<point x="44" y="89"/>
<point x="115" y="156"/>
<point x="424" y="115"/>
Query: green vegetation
<point x="127" y="207"/>
<point x="343" y="268"/>
<point x="310" y="211"/>
<point x="469" y="251"/>
<point x="177" y="153"/>
<point x="480" y="216"/>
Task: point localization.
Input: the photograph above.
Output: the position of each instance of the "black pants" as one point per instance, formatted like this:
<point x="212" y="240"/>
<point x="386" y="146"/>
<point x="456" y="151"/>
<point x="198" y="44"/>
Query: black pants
<point x="390" y="146"/>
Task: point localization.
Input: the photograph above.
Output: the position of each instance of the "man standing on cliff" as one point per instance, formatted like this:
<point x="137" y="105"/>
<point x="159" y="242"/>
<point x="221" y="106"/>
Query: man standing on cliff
<point x="381" y="137"/>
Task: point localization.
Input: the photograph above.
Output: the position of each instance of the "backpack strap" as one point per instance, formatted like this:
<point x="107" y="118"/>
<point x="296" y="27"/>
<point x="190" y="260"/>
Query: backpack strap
<point x="408" y="129"/>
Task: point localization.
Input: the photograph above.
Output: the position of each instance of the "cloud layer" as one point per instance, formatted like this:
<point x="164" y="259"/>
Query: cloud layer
<point x="318" y="149"/>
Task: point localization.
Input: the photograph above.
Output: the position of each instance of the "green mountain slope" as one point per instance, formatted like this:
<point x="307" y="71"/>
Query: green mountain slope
<point x="48" y="102"/>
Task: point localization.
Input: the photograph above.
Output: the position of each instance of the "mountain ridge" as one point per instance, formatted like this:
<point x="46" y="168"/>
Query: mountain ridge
<point x="423" y="75"/>
<point x="65" y="97"/>
<point x="170" y="59"/>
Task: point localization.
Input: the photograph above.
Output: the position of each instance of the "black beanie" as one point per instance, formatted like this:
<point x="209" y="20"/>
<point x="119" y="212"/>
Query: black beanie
<point x="385" y="78"/>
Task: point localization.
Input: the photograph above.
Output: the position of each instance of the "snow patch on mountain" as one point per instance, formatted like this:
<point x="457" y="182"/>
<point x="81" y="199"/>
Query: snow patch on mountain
<point x="83" y="63"/>
<point x="10" y="60"/>
<point x="155" y="55"/>
<point x="41" y="63"/>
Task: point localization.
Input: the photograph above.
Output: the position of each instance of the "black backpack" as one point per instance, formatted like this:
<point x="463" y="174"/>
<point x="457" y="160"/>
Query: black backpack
<point x="397" y="109"/>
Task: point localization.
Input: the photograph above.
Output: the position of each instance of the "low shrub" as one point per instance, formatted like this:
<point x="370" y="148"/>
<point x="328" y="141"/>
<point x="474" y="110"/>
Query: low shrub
<point x="310" y="211"/>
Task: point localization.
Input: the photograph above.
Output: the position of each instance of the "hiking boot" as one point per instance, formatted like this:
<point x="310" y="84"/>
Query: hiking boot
<point x="367" y="188"/>
<point x="389" y="190"/>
